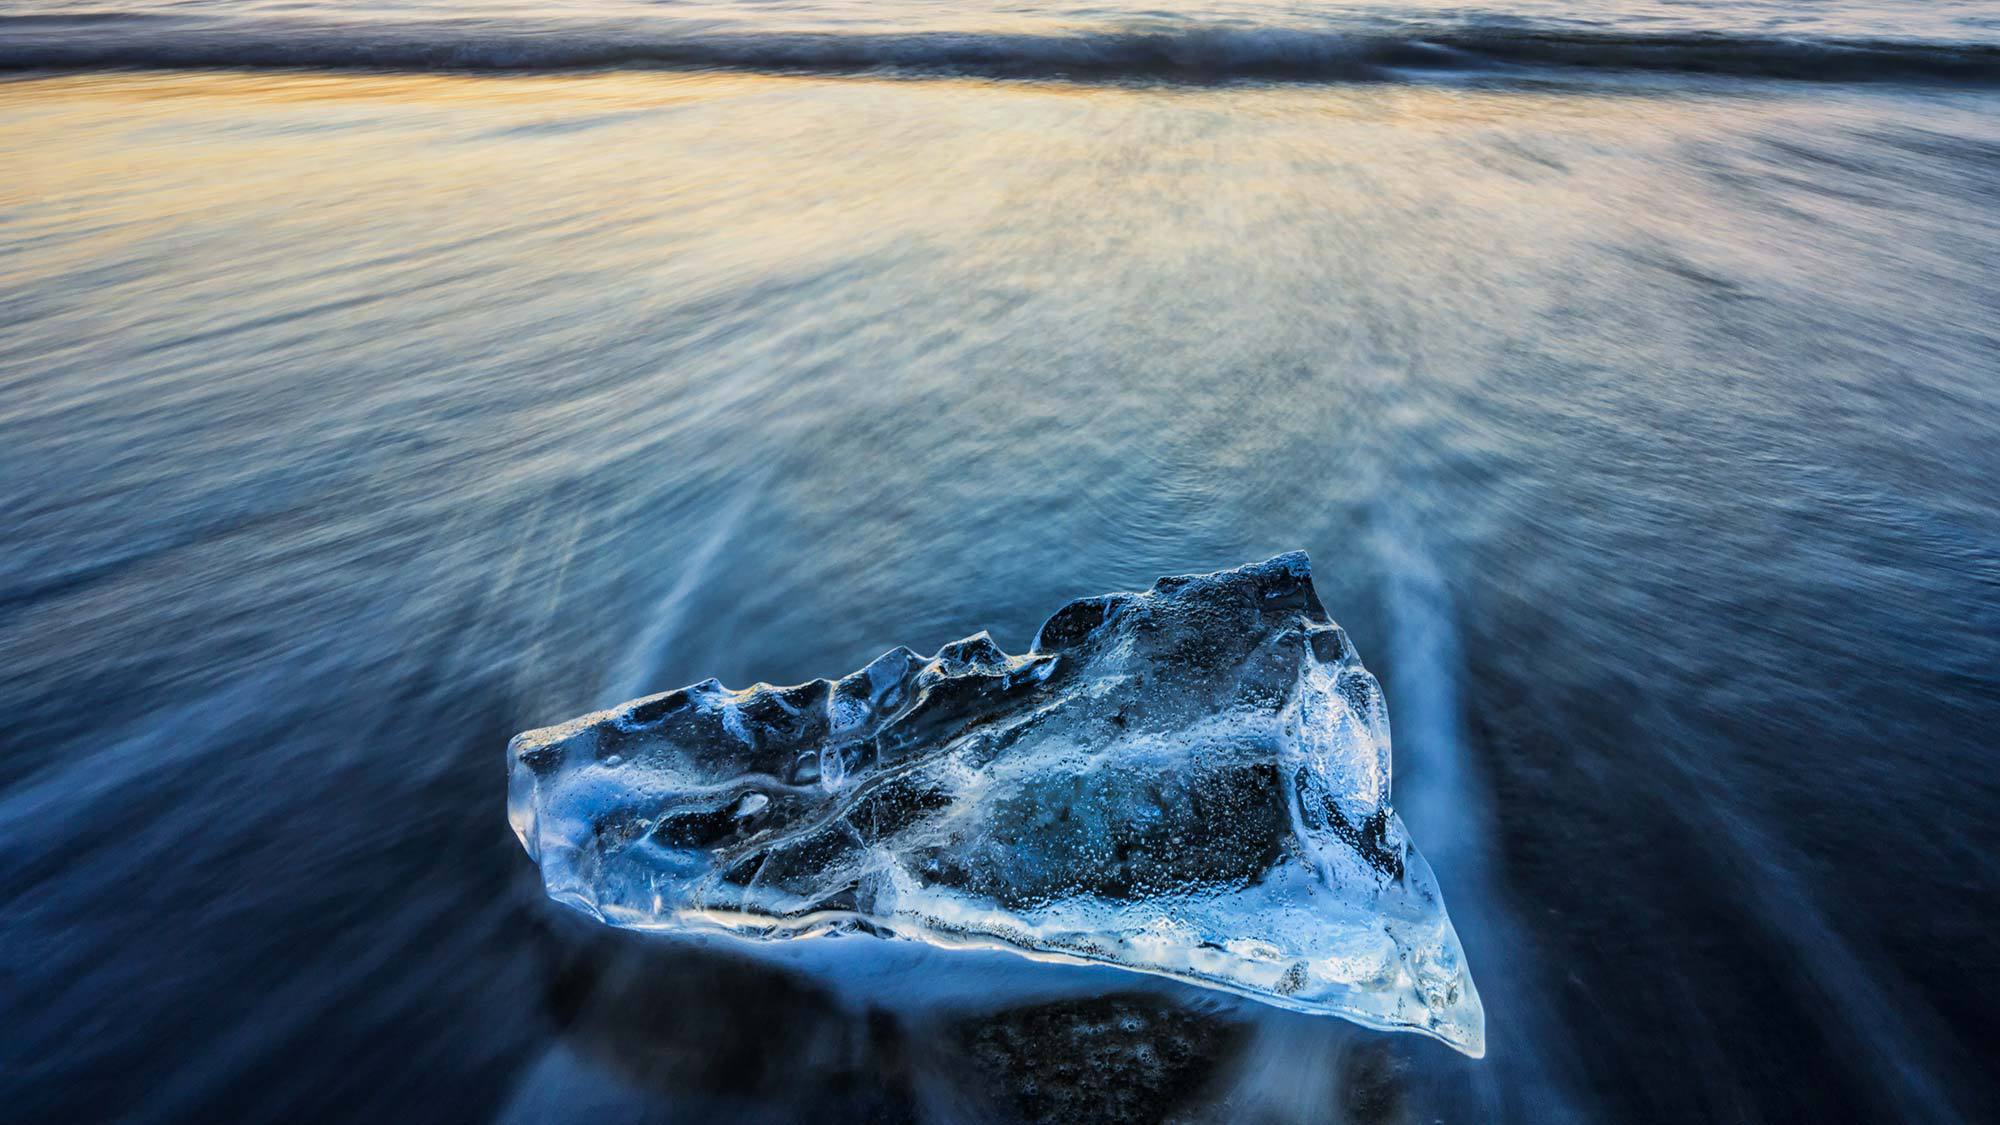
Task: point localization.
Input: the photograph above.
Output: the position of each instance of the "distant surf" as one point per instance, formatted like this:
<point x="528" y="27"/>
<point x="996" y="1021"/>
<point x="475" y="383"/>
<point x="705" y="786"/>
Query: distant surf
<point x="1191" y="54"/>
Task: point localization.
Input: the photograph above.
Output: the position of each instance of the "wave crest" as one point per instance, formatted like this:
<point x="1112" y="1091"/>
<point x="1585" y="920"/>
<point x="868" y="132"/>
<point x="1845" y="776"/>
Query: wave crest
<point x="1190" y="55"/>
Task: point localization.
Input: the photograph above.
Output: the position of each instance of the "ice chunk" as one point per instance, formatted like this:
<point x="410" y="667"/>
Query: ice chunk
<point x="1192" y="781"/>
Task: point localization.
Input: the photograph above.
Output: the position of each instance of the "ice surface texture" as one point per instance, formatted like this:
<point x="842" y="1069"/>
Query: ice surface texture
<point x="1192" y="781"/>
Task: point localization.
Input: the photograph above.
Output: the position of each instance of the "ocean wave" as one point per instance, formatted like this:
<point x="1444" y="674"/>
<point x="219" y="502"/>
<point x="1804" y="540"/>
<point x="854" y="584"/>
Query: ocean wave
<point x="1192" y="54"/>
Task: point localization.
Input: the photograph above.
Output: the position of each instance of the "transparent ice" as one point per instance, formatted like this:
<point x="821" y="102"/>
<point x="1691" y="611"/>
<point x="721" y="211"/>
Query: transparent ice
<point x="1192" y="781"/>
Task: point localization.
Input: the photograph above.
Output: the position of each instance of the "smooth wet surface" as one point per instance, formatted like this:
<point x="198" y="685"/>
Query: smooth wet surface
<point x="1643" y="436"/>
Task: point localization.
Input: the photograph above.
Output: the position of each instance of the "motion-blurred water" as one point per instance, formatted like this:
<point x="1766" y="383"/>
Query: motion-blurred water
<point x="1642" y="423"/>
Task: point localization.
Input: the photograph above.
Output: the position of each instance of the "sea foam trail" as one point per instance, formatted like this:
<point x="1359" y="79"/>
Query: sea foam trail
<point x="1190" y="54"/>
<point x="1441" y="789"/>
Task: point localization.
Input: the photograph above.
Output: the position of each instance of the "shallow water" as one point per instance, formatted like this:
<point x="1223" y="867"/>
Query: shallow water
<point x="1642" y="431"/>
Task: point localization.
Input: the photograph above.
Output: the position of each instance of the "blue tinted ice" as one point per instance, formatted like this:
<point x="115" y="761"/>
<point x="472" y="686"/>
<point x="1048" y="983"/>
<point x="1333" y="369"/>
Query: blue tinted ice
<point x="1192" y="781"/>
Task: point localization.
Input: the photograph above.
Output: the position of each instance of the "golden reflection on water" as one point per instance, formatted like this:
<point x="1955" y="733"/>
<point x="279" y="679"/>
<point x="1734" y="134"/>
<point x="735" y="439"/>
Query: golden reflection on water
<point x="651" y="183"/>
<point x="796" y="159"/>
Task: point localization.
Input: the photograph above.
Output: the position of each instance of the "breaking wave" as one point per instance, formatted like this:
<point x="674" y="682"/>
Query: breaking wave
<point x="1191" y="55"/>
